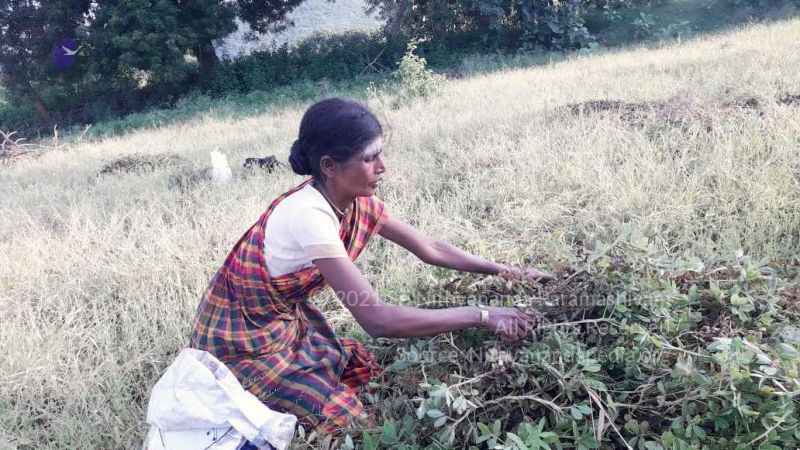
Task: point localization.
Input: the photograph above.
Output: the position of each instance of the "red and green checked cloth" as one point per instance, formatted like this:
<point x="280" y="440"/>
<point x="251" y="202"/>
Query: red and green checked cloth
<point x="275" y="341"/>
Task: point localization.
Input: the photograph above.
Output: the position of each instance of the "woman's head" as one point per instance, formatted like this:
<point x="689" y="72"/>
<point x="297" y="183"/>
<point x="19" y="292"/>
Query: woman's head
<point x="339" y="144"/>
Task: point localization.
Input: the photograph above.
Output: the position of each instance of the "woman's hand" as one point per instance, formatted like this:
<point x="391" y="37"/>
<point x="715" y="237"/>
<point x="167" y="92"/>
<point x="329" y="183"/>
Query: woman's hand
<point x="518" y="273"/>
<point x="510" y="324"/>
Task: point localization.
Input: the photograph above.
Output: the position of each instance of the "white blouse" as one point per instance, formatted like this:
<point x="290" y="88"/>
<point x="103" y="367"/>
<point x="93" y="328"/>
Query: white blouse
<point x="301" y="228"/>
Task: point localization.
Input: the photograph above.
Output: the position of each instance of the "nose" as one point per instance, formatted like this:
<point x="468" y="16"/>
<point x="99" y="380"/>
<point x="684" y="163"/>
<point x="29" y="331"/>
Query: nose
<point x="380" y="167"/>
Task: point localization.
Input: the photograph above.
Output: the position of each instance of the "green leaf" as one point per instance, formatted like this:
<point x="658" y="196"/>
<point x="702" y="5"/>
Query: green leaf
<point x="435" y="413"/>
<point x="447" y="437"/>
<point x="519" y="442"/>
<point x="597" y="385"/>
<point x="787" y="351"/>
<point x="496" y="427"/>
<point x="699" y="432"/>
<point x="721" y="344"/>
<point x="769" y="370"/>
<point x="389" y="435"/>
<point x="369" y="442"/>
<point x="593" y="368"/>
<point x="576" y="413"/>
<point x="549" y="437"/>
<point x="586" y="441"/>
<point x="421" y="410"/>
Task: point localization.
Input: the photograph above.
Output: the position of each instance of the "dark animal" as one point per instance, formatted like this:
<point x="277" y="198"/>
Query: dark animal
<point x="269" y="163"/>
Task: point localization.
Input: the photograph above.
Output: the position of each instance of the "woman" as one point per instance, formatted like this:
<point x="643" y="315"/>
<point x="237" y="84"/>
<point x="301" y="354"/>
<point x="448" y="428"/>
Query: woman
<point x="255" y="316"/>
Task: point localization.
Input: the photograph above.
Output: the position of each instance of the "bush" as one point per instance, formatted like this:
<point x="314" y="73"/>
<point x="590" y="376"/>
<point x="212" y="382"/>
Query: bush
<point x="674" y="31"/>
<point x="414" y="77"/>
<point x="319" y="57"/>
<point x="499" y="24"/>
<point x="16" y="118"/>
<point x="643" y="25"/>
<point x="669" y="352"/>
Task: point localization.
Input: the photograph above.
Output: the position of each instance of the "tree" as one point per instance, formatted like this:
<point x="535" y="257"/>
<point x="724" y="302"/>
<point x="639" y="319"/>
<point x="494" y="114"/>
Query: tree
<point x="30" y="33"/>
<point x="143" y="44"/>
<point x="265" y="15"/>
<point x="210" y="20"/>
<point x="134" y="50"/>
<point x="147" y="41"/>
<point x="393" y="12"/>
<point x="499" y="23"/>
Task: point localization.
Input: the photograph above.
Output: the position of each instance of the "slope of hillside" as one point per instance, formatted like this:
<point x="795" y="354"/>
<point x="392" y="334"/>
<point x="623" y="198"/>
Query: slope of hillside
<point x="680" y="162"/>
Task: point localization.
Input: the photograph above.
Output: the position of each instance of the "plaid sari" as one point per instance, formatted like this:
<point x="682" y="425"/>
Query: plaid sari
<point x="275" y="341"/>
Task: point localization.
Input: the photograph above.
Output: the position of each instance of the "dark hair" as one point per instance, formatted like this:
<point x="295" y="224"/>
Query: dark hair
<point x="334" y="127"/>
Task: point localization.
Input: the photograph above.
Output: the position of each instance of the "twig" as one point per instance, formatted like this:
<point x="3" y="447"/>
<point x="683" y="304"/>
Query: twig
<point x="596" y="398"/>
<point x="577" y="322"/>
<point x="549" y="404"/>
<point x="372" y="62"/>
<point x="769" y="430"/>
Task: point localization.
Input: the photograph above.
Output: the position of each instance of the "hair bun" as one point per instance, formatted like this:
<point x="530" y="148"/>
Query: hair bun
<point x="299" y="160"/>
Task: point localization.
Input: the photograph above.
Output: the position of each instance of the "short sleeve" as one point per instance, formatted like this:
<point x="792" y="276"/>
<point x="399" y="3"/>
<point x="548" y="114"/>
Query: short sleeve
<point x="380" y="213"/>
<point x="317" y="232"/>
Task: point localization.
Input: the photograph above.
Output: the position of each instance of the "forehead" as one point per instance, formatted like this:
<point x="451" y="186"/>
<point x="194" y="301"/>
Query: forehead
<point x="374" y="147"/>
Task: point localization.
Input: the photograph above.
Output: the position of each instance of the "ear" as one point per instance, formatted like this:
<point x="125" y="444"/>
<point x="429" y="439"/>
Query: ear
<point x="327" y="166"/>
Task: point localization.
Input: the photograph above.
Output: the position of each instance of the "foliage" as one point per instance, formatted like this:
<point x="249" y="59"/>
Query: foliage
<point x="497" y="24"/>
<point x="322" y="57"/>
<point x="139" y="44"/>
<point x="29" y="34"/>
<point x="414" y="77"/>
<point x="16" y="117"/>
<point x="133" y="53"/>
<point x="761" y="4"/>
<point x="264" y="15"/>
<point x="643" y="25"/>
<point x="673" y="31"/>
<point x="640" y="348"/>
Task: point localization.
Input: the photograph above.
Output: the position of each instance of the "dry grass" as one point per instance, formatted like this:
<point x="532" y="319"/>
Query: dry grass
<point x="101" y="275"/>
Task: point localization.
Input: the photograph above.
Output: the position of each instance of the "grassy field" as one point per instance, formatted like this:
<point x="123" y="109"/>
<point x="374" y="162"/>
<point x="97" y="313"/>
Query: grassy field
<point x="687" y="170"/>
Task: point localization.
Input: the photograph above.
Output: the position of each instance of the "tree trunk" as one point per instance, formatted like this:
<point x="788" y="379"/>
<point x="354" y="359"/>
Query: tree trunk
<point x="39" y="104"/>
<point x="394" y="23"/>
<point x="206" y="57"/>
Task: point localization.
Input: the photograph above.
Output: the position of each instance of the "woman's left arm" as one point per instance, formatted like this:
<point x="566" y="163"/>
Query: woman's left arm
<point x="440" y="253"/>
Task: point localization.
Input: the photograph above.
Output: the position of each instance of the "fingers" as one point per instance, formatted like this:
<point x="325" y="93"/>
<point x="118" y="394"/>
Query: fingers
<point x="515" y="325"/>
<point x="541" y="277"/>
<point x="512" y="324"/>
<point x="509" y="273"/>
<point x="546" y="277"/>
<point x="514" y="273"/>
<point x="526" y="324"/>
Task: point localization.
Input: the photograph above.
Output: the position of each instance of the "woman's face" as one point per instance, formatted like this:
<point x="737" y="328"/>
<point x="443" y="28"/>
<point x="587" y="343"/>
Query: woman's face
<point x="361" y="174"/>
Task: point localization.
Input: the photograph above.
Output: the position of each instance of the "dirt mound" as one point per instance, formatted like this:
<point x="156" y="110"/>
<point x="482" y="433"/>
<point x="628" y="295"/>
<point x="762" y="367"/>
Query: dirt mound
<point x="141" y="163"/>
<point x="680" y="111"/>
<point x="790" y="99"/>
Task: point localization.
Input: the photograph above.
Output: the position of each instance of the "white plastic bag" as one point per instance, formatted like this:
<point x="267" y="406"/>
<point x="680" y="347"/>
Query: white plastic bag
<point x="199" y="404"/>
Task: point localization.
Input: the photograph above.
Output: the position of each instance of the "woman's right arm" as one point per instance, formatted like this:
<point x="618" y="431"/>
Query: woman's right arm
<point x="380" y="319"/>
